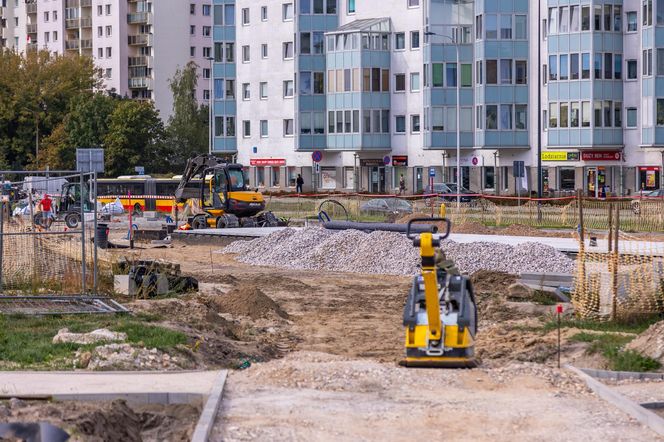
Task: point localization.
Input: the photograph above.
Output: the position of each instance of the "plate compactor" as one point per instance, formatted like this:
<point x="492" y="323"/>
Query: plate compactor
<point x="440" y="315"/>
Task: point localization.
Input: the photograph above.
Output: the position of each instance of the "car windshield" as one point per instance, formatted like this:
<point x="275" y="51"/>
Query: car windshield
<point x="441" y="188"/>
<point x="236" y="179"/>
<point x="399" y="204"/>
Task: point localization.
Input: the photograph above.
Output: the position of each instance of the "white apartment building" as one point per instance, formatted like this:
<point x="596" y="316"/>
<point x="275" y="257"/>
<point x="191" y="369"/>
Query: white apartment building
<point x="138" y="45"/>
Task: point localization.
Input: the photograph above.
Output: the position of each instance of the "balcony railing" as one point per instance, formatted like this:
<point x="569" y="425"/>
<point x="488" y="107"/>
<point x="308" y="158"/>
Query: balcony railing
<point x="72" y="3"/>
<point x="31" y="28"/>
<point x="86" y="3"/>
<point x="31" y="8"/>
<point x="73" y="23"/>
<point x="86" y="22"/>
<point x="72" y="45"/>
<point x="31" y="47"/>
<point x="138" y="18"/>
<point x="140" y="83"/>
<point x="138" y="61"/>
<point x="141" y="39"/>
<point x="86" y="44"/>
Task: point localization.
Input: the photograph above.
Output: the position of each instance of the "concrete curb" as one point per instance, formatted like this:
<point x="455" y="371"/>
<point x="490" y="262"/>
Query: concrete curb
<point x="209" y="413"/>
<point x="646" y="417"/>
<point x="620" y="375"/>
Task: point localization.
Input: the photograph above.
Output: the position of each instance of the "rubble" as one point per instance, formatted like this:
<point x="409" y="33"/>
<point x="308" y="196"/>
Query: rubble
<point x="651" y="342"/>
<point x="127" y="357"/>
<point x="389" y="253"/>
<point x="100" y="335"/>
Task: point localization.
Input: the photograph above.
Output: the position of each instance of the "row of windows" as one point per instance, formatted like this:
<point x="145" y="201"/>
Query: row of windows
<point x="440" y="119"/>
<point x="348" y="80"/>
<point x="224" y="126"/>
<point x="607" y="113"/>
<point x="647" y="13"/>
<point x="207" y="30"/>
<point x="501" y="27"/>
<point x="205" y="9"/>
<point x="503" y="71"/>
<point x="576" y="66"/>
<point x="501" y="117"/>
<point x="575" y="18"/>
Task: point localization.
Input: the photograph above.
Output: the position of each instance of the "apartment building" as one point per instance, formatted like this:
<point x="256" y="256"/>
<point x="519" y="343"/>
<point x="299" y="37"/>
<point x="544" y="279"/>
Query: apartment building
<point x="372" y="85"/>
<point x="138" y="45"/>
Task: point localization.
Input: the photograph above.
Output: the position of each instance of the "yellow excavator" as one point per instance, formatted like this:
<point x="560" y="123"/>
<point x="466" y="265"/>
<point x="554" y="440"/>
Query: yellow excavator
<point x="440" y="314"/>
<point x="222" y="192"/>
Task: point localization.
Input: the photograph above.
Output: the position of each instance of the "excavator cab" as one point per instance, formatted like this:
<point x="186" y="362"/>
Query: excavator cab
<point x="440" y="315"/>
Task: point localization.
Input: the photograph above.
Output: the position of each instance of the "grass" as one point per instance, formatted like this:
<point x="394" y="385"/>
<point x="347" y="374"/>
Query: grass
<point x="610" y="346"/>
<point x="635" y="325"/>
<point x="26" y="340"/>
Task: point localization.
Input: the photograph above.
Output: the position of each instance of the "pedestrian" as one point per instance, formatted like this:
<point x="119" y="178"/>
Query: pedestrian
<point x="299" y="183"/>
<point x="402" y="185"/>
<point x="46" y="208"/>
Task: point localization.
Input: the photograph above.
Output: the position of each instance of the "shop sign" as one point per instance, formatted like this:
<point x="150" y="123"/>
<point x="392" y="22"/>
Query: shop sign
<point x="399" y="160"/>
<point x="600" y="155"/>
<point x="267" y="162"/>
<point x="377" y="162"/>
<point x="649" y="168"/>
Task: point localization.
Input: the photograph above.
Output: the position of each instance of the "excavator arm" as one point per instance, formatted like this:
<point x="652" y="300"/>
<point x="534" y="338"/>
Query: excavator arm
<point x="195" y="166"/>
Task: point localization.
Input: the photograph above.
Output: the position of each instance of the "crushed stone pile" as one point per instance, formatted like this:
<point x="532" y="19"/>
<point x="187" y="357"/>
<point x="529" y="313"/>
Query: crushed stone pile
<point x="389" y="253"/>
<point x="651" y="342"/>
<point x="100" y="335"/>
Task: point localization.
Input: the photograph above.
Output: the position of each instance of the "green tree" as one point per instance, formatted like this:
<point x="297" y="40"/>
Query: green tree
<point x="135" y="137"/>
<point x="187" y="130"/>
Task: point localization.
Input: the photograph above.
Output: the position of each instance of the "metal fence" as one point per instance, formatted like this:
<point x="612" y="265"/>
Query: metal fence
<point x="41" y="259"/>
<point x="637" y="214"/>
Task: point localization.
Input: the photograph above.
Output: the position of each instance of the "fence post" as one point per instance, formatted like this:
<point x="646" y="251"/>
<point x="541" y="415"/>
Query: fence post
<point x="82" y="202"/>
<point x="93" y="197"/>
<point x="2" y="234"/>
<point x="582" y="244"/>
<point x="616" y="264"/>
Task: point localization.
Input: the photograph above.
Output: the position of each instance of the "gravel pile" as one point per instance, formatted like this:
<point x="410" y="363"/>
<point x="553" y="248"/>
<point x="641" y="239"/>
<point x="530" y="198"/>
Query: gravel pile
<point x="388" y="253"/>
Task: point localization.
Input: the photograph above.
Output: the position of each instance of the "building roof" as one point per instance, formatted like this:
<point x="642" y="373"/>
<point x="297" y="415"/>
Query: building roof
<point x="365" y="25"/>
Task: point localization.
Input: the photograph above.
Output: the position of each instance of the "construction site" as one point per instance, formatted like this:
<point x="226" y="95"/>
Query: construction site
<point x="320" y="319"/>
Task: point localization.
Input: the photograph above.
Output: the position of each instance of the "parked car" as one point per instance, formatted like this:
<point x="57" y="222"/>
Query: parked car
<point x="448" y="192"/>
<point x="387" y="205"/>
<point x="649" y="200"/>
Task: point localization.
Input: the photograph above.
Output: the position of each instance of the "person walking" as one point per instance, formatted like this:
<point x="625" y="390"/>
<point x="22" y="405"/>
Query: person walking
<point x="402" y="185"/>
<point x="299" y="183"/>
<point x="46" y="207"/>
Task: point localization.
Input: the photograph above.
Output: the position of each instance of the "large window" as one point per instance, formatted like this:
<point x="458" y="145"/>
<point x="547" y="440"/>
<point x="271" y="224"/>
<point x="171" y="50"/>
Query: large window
<point x="553" y="67"/>
<point x="660" y="112"/>
<point x="521" y="116"/>
<point x="632" y="71"/>
<point x="574" y="114"/>
<point x="492" y="72"/>
<point x="506" y="71"/>
<point x="585" y="65"/>
<point x="574" y="66"/>
<point x="585" y="18"/>
<point x="491" y="117"/>
<point x="491" y="26"/>
<point x="632" y="22"/>
<point x="631" y="117"/>
<point x="564" y="67"/>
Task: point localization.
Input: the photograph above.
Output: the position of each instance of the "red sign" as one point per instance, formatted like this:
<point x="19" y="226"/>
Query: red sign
<point x="647" y="168"/>
<point x="399" y="160"/>
<point x="267" y="162"/>
<point x="600" y="155"/>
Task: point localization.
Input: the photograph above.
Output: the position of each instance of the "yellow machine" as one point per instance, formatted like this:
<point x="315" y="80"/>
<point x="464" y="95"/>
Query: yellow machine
<point x="223" y="195"/>
<point x="440" y="315"/>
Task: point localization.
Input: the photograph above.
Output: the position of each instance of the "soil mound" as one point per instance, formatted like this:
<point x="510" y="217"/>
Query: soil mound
<point x="651" y="342"/>
<point x="486" y="281"/>
<point x="249" y="301"/>
<point x="523" y="230"/>
<point x="472" y="227"/>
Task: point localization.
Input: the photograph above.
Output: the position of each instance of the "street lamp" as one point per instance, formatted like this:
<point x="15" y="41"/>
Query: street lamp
<point x="458" y="107"/>
<point x="210" y="105"/>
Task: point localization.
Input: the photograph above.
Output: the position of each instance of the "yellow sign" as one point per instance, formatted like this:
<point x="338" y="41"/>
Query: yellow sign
<point x="554" y="156"/>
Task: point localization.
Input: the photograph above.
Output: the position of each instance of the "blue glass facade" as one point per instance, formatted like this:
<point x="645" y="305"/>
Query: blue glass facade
<point x="224" y="75"/>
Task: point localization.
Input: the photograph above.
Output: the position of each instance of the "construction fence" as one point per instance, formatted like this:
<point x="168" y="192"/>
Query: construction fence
<point x="637" y="215"/>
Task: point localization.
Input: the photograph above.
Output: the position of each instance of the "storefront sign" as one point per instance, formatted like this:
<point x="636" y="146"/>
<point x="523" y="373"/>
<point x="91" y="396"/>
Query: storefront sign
<point x="600" y="155"/>
<point x="267" y="162"/>
<point x="560" y="155"/>
<point x="399" y="160"/>
<point x="378" y="162"/>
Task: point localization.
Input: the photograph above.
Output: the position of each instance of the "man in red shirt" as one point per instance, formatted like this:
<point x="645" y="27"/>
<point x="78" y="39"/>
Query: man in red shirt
<point x="46" y="206"/>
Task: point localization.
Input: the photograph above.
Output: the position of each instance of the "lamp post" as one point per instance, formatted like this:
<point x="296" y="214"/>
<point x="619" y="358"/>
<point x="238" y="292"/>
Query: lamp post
<point x="210" y="106"/>
<point x="458" y="108"/>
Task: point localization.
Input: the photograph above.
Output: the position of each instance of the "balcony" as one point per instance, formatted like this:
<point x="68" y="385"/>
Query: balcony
<point x="138" y="40"/>
<point x="139" y="61"/>
<point x="72" y="45"/>
<point x="86" y="22"/>
<point x="31" y="8"/>
<point x="86" y="3"/>
<point x="31" y="47"/>
<point x="72" y="3"/>
<point x="73" y="23"/>
<point x="31" y="29"/>
<point x="138" y="18"/>
<point x="140" y="83"/>
<point x="86" y="44"/>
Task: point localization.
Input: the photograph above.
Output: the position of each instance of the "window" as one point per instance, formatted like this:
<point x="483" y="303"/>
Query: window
<point x="47" y="37"/>
<point x="466" y="75"/>
<point x="351" y="7"/>
<point x="438" y="74"/>
<point x="585" y="114"/>
<point x="491" y="116"/>
<point x="617" y="18"/>
<point x="660" y="61"/>
<point x="521" y="71"/>
<point x="632" y="68"/>
<point x="647" y="12"/>
<point x="400" y="124"/>
<point x="100" y="9"/>
<point x="288" y="127"/>
<point x="553" y="21"/>
<point x="206" y="10"/>
<point x="553" y="67"/>
<point x="415" y="81"/>
<point x="108" y="9"/>
<point x="263" y="90"/>
<point x="319" y="82"/>
<point x="660" y="112"/>
<point x="437" y="119"/>
<point x="287" y="12"/>
<point x="451" y="74"/>
<point x="564" y="67"/>
<point x="399" y="41"/>
<point x="489" y="177"/>
<point x="246" y="54"/>
<point x="319" y="42"/>
<point x="415" y="124"/>
<point x="521" y="116"/>
<point x="415" y="40"/>
<point x="192" y="9"/>
<point x="192" y="51"/>
<point x="245" y="16"/>
<point x="631" y="117"/>
<point x="598" y="66"/>
<point x="264" y="50"/>
<point x="585" y="18"/>
<point x="608" y="108"/>
<point x="207" y="31"/>
<point x="305" y="123"/>
<point x="574" y="66"/>
<point x="288" y="89"/>
<point x="413" y="3"/>
<point x="319" y="122"/>
<point x="574" y="19"/>
<point x="492" y="72"/>
<point x="305" y="43"/>
<point x="607" y="17"/>
<point x="617" y="67"/>
<point x="598" y="113"/>
<point x="564" y="115"/>
<point x="553" y="115"/>
<point x="109" y="52"/>
<point x="109" y="31"/>
<point x="564" y="20"/>
<point x="207" y="51"/>
<point x="632" y="23"/>
<point x="617" y="114"/>
<point x="100" y="53"/>
<point x="585" y="65"/>
<point x="478" y="72"/>
<point x="506" y="27"/>
<point x="598" y="17"/>
<point x="246" y="128"/>
<point x="506" y="71"/>
<point x="55" y="35"/>
<point x="206" y="73"/>
<point x="263" y="13"/>
<point x="230" y="89"/>
<point x="647" y="62"/>
<point x="608" y="66"/>
<point x="491" y="26"/>
<point x="506" y="116"/>
<point x="399" y="82"/>
<point x="246" y="91"/>
<point x="478" y="27"/>
<point x="100" y="31"/>
<point x="478" y="117"/>
<point x="46" y="15"/>
<point x="288" y="50"/>
<point x="109" y="74"/>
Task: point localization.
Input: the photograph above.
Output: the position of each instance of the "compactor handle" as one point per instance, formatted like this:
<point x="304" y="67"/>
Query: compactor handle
<point x="448" y="226"/>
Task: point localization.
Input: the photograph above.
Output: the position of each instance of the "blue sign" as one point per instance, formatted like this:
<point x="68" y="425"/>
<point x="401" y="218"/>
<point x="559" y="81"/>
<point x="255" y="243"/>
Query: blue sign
<point x="317" y="156"/>
<point x="255" y="149"/>
<point x="387" y="160"/>
<point x="519" y="169"/>
<point x="432" y="172"/>
<point x="140" y="170"/>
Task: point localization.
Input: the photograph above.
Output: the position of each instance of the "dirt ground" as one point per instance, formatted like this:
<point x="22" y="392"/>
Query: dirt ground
<point x="323" y="351"/>
<point x="107" y="421"/>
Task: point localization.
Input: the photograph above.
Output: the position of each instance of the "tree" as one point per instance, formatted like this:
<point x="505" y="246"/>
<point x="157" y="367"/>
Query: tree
<point x="187" y="130"/>
<point x="134" y="138"/>
<point x="35" y="93"/>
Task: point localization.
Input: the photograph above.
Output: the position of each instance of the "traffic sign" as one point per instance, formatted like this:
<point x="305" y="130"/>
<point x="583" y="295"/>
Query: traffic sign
<point x="387" y="160"/>
<point x="139" y="170"/>
<point x="432" y="172"/>
<point x="317" y="156"/>
<point x="475" y="161"/>
<point x="519" y="169"/>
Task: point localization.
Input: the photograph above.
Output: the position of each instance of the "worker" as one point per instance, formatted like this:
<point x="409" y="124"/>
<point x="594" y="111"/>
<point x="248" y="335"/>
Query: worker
<point x="299" y="183"/>
<point x="46" y="208"/>
<point x="402" y="185"/>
